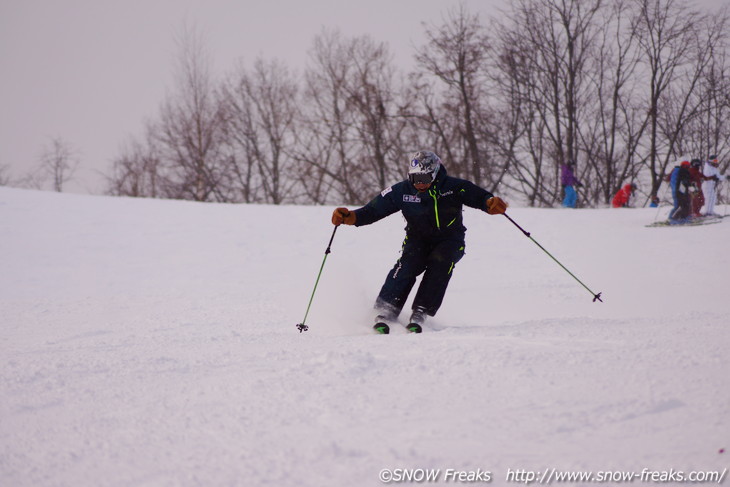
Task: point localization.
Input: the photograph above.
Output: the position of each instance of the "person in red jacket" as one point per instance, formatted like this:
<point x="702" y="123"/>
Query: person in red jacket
<point x="623" y="196"/>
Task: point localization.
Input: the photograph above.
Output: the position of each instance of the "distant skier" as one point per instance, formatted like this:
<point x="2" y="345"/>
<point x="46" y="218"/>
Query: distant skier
<point x="622" y="198"/>
<point x="713" y="177"/>
<point x="569" y="183"/>
<point x="671" y="178"/>
<point x="697" y="197"/>
<point x="432" y="204"/>
<point x="681" y="182"/>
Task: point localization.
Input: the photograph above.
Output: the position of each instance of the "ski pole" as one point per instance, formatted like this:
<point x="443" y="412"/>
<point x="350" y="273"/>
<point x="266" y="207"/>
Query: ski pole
<point x="301" y="326"/>
<point x="527" y="234"/>
<point x="659" y="204"/>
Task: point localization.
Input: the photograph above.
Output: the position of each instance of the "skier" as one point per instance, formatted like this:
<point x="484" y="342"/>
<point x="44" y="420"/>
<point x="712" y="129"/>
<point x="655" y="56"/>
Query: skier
<point x="569" y="182"/>
<point x="432" y="203"/>
<point x="697" y="196"/>
<point x="681" y="182"/>
<point x="622" y="198"/>
<point x="671" y="178"/>
<point x="709" y="186"/>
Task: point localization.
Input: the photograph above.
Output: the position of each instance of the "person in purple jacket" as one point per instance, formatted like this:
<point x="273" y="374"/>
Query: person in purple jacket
<point x="569" y="182"/>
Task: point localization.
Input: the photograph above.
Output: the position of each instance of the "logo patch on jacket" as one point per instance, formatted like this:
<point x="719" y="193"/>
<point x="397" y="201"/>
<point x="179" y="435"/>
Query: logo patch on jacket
<point x="386" y="191"/>
<point x="411" y="198"/>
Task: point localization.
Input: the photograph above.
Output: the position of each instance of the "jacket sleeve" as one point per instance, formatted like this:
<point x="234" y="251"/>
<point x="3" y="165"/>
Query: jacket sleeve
<point x="474" y="196"/>
<point x="385" y="204"/>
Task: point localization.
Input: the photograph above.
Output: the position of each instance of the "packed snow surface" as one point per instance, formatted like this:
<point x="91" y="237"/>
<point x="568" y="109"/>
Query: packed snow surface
<point x="154" y="343"/>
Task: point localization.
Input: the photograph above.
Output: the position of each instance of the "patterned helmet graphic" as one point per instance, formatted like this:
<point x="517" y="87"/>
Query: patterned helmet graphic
<point x="424" y="165"/>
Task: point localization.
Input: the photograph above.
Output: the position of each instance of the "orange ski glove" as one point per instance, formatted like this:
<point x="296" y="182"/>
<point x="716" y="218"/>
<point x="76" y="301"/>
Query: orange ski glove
<point x="496" y="205"/>
<point x="343" y="215"/>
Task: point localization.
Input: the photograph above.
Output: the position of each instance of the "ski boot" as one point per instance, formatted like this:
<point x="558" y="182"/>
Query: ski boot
<point x="381" y="326"/>
<point x="418" y="317"/>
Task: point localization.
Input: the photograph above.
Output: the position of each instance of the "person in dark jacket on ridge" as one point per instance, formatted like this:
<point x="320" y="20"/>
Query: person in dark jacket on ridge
<point x="431" y="202"/>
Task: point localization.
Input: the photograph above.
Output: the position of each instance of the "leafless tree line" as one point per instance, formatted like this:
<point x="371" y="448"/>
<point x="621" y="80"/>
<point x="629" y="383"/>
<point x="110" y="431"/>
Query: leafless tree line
<point x="56" y="166"/>
<point x="625" y="88"/>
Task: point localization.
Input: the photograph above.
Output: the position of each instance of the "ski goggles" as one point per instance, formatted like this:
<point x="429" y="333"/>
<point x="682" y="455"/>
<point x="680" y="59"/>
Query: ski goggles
<point x="420" y="178"/>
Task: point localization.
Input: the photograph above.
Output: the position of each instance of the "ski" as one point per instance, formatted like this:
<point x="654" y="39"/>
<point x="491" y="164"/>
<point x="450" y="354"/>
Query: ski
<point x="384" y="328"/>
<point x="703" y="220"/>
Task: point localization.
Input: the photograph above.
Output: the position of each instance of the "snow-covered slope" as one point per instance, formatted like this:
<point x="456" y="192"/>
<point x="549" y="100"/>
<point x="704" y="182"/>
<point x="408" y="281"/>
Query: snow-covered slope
<point x="149" y="342"/>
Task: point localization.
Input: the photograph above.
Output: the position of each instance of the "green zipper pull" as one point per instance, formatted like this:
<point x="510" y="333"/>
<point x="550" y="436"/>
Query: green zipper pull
<point x="432" y="192"/>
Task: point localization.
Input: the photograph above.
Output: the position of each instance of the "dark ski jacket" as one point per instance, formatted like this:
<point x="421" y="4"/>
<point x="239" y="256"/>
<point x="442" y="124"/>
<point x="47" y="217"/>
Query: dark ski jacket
<point x="435" y="213"/>
<point x="680" y="180"/>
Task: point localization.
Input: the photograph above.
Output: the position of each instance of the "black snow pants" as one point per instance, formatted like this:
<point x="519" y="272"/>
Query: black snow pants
<point x="435" y="258"/>
<point x="684" y="207"/>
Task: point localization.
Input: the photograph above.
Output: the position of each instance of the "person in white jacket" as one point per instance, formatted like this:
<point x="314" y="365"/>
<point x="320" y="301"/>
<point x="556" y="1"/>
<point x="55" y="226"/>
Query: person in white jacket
<point x="713" y="177"/>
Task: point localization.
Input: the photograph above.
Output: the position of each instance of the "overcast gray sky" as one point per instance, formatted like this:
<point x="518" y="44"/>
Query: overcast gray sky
<point x="92" y="71"/>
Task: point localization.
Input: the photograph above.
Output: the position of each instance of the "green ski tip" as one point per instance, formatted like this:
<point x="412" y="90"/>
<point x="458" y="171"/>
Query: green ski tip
<point x="382" y="328"/>
<point x="414" y="328"/>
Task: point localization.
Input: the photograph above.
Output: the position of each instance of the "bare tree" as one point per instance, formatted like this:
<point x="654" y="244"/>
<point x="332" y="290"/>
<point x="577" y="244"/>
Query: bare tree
<point x="58" y="163"/>
<point x="379" y="110"/>
<point x="544" y="53"/>
<point x="242" y="179"/>
<point x="622" y="87"/>
<point x="189" y="133"/>
<point x="136" y="172"/>
<point x="455" y="54"/>
<point x="355" y="116"/>
<point x="703" y="98"/>
<point x="522" y="138"/>
<point x="613" y="85"/>
<point x="262" y="109"/>
<point x="515" y="121"/>
<point x="610" y="139"/>
<point x="327" y="140"/>
<point x="666" y="34"/>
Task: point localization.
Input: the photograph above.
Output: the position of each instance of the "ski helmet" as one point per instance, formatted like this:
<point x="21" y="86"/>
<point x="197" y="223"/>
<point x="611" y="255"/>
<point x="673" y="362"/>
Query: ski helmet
<point x="423" y="167"/>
